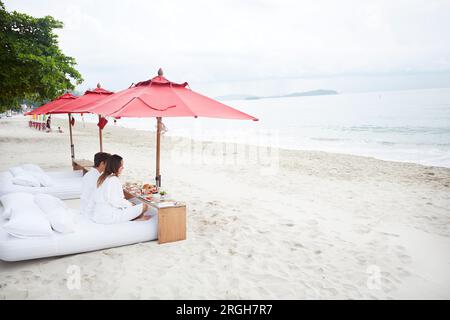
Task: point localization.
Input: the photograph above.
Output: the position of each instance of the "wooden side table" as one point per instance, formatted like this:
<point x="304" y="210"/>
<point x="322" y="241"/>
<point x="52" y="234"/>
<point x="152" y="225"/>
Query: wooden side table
<point x="171" y="219"/>
<point x="82" y="164"/>
<point x="171" y="224"/>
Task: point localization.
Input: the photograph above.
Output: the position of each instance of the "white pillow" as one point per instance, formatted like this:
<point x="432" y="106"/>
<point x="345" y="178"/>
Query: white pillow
<point x="48" y="203"/>
<point x="44" y="179"/>
<point x="28" y="221"/>
<point x="60" y="217"/>
<point x="5" y="178"/>
<point x="62" y="220"/>
<point x="15" y="200"/>
<point x="32" y="168"/>
<point x="17" y="171"/>
<point x="6" y="175"/>
<point x="26" y="179"/>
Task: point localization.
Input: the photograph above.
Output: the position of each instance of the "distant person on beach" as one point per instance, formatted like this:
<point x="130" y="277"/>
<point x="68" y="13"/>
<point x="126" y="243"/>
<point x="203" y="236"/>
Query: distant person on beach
<point x="48" y="124"/>
<point x="89" y="183"/>
<point x="110" y="205"/>
<point x="60" y="130"/>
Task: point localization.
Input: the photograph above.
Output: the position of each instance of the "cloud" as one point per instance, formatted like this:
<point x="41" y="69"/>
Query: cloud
<point x="207" y="41"/>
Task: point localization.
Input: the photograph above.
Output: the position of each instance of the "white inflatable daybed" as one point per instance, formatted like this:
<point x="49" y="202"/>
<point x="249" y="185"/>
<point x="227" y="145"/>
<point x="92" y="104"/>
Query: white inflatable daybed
<point x="89" y="236"/>
<point x="18" y="240"/>
<point x="32" y="179"/>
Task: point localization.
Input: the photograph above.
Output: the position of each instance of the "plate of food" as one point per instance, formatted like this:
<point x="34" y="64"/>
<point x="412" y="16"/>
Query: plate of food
<point x="149" y="188"/>
<point x="147" y="197"/>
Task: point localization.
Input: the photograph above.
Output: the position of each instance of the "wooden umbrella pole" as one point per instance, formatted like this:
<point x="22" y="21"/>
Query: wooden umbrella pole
<point x="100" y="137"/>
<point x="158" y="142"/>
<point x="72" y="150"/>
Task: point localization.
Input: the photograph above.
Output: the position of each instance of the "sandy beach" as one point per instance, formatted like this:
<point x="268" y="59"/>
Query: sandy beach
<point x="261" y="225"/>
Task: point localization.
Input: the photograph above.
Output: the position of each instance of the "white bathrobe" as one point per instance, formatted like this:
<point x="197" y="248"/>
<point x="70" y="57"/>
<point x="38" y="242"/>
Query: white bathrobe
<point x="110" y="205"/>
<point x="89" y="184"/>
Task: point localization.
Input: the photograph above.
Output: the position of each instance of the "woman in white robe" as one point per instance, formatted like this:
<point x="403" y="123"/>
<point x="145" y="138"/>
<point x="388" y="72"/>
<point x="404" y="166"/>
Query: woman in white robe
<point x="110" y="205"/>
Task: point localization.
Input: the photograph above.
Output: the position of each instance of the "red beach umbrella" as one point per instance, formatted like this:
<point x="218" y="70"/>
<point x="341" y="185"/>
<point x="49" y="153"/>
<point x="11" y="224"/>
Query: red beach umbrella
<point x="159" y="97"/>
<point x="68" y="103"/>
<point x="58" y="102"/>
<point x="79" y="106"/>
<point x="49" y="107"/>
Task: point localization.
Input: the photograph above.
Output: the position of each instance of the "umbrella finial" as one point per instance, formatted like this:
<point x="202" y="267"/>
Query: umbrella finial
<point x="98" y="85"/>
<point x="160" y="72"/>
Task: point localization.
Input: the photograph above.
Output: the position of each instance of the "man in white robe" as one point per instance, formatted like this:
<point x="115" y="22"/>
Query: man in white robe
<point x="89" y="183"/>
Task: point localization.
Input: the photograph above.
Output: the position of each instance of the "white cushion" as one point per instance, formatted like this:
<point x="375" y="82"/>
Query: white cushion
<point x="28" y="221"/>
<point x="32" y="168"/>
<point x="5" y="178"/>
<point x="60" y="217"/>
<point x="17" y="171"/>
<point x="62" y="220"/>
<point x="6" y="175"/>
<point x="48" y="203"/>
<point x="26" y="179"/>
<point x="44" y="179"/>
<point x="15" y="200"/>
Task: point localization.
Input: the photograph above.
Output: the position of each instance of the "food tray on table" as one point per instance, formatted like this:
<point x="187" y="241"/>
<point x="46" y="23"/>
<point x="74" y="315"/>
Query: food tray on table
<point x="149" y="194"/>
<point x="158" y="203"/>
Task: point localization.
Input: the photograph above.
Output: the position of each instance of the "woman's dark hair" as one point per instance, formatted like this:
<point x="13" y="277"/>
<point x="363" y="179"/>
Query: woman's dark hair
<point x="113" y="164"/>
<point x="100" y="157"/>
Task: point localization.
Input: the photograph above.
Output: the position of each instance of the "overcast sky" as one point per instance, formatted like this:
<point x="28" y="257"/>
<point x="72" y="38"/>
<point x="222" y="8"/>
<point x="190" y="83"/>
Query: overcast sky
<point x="256" y="47"/>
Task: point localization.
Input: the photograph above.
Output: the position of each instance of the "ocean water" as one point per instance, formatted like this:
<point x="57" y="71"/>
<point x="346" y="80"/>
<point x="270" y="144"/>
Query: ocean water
<point x="407" y="126"/>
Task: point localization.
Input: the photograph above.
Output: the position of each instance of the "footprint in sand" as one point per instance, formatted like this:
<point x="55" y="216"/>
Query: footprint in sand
<point x="289" y="224"/>
<point x="404" y="258"/>
<point x="401" y="255"/>
<point x="18" y="294"/>
<point x="312" y="222"/>
<point x="387" y="283"/>
<point x="362" y="229"/>
<point x="361" y="260"/>
<point x="26" y="273"/>
<point x="298" y="245"/>
<point x="403" y="272"/>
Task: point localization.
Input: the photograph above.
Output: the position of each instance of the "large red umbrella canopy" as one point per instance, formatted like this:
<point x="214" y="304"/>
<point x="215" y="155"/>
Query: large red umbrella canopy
<point x="79" y="105"/>
<point x="48" y="107"/>
<point x="160" y="97"/>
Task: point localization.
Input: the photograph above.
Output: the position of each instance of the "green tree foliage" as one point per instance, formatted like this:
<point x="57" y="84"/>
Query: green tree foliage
<point x="32" y="66"/>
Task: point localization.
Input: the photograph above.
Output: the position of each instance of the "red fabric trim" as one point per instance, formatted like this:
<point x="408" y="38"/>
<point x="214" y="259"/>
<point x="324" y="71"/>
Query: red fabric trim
<point x="102" y="123"/>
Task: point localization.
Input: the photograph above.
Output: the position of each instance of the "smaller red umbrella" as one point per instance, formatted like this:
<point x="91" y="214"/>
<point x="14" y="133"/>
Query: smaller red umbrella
<point x="79" y="106"/>
<point x="52" y="105"/>
<point x="58" y="102"/>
